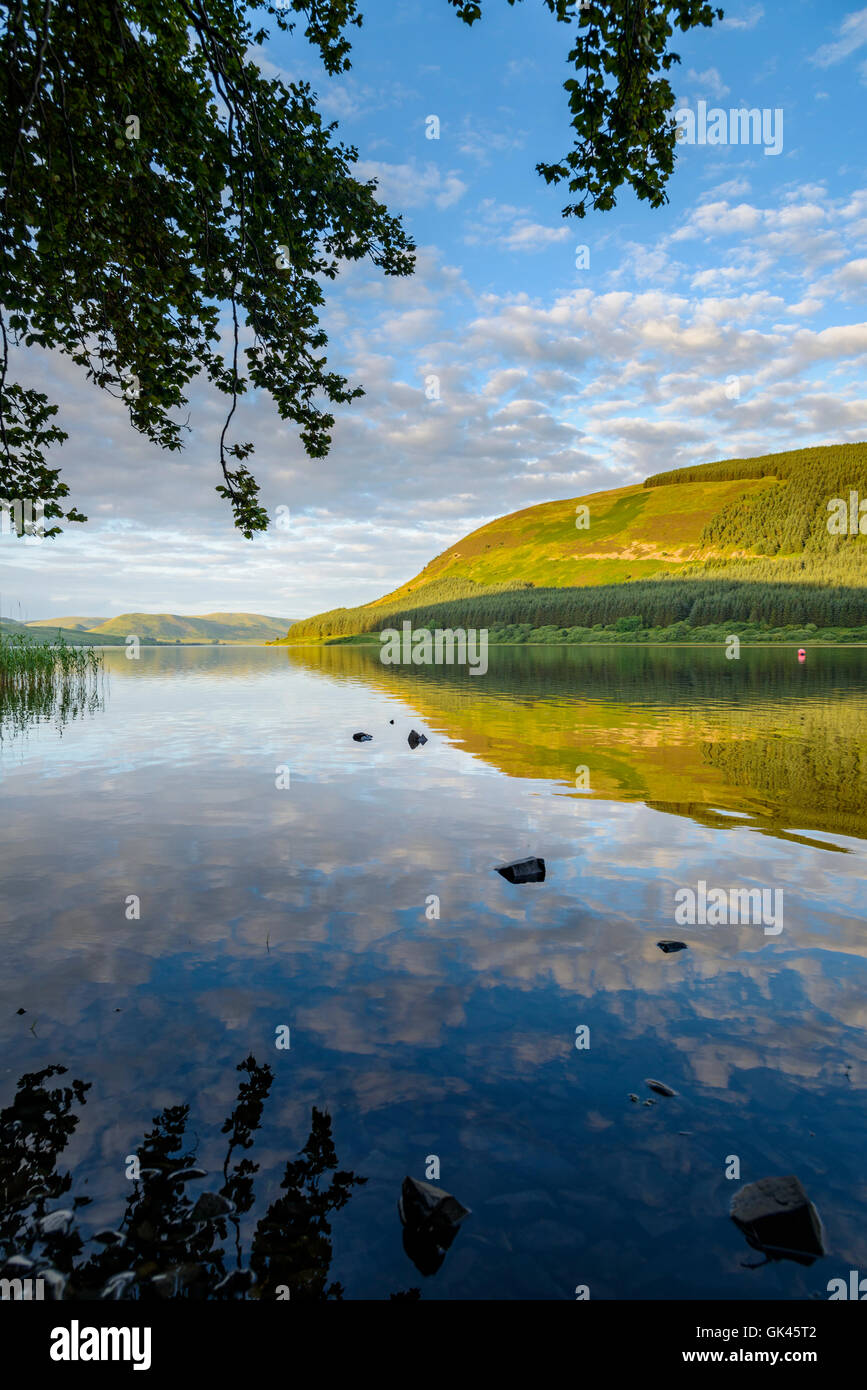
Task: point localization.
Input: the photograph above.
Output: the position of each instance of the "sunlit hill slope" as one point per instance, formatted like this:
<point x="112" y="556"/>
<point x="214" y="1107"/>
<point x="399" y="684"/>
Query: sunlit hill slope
<point x="739" y="541"/>
<point x="168" y="627"/>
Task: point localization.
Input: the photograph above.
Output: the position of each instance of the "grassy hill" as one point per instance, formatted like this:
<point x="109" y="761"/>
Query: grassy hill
<point x="166" y="627"/>
<point x="71" y="624"/>
<point x="48" y="632"/>
<point x="741" y="541"/>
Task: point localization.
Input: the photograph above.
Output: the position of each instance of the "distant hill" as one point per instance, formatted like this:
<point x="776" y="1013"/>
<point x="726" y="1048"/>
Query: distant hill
<point x="209" y="627"/>
<point x="74" y="624"/>
<point x="157" y="628"/>
<point x="48" y="633"/>
<point x="742" y="540"/>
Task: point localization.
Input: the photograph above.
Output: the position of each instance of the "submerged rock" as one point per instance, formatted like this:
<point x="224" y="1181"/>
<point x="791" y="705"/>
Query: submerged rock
<point x="430" y="1217"/>
<point x="659" y="1087"/>
<point x="778" y="1218"/>
<point x="414" y="739"/>
<point x="524" y="871"/>
<point x="669" y="946"/>
<point x="363" y="738"/>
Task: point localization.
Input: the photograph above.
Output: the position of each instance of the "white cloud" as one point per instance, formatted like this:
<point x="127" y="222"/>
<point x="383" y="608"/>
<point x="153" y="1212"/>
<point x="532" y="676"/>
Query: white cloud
<point x="851" y="35"/>
<point x="709" y="83"/>
<point x="547" y="394"/>
<point x="748" y="20"/>
<point x="412" y="185"/>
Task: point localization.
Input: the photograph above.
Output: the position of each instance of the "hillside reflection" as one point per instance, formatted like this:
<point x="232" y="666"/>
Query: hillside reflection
<point x="779" y="744"/>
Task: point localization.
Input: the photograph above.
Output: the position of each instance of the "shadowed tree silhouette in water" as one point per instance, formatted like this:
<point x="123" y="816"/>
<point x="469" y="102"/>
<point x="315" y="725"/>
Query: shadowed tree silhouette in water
<point x="169" y="1243"/>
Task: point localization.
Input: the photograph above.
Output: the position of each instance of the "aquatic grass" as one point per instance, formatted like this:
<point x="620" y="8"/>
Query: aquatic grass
<point x="39" y="680"/>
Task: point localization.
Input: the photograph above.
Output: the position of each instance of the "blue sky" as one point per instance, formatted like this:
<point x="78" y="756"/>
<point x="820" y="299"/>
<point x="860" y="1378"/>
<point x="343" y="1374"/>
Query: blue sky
<point x="728" y="323"/>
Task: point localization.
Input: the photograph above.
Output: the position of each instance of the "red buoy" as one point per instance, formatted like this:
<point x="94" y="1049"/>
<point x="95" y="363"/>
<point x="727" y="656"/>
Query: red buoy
<point x="802" y="655"/>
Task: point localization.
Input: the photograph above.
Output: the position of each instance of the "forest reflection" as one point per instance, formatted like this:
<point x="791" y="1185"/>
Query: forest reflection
<point x="168" y="1242"/>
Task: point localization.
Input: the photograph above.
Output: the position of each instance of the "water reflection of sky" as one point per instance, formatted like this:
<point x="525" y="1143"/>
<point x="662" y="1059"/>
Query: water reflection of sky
<point x="306" y="906"/>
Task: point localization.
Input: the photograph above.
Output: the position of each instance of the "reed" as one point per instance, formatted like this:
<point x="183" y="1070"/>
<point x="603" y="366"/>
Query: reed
<point x="42" y="680"/>
<point x="25" y="662"/>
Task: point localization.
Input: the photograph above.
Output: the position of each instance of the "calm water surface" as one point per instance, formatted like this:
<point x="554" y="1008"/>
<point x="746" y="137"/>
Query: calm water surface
<point x="311" y="905"/>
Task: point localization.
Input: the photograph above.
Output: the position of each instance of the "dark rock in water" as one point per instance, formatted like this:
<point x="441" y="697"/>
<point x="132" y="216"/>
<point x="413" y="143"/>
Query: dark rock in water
<point x="431" y="1218"/>
<point x="778" y="1218"/>
<point x="21" y="1011"/>
<point x="363" y="738"/>
<point x="669" y="946"/>
<point x="524" y="871"/>
<point x="391" y="721"/>
<point x="659" y="1087"/>
<point x="210" y="1206"/>
<point x="414" y="739"/>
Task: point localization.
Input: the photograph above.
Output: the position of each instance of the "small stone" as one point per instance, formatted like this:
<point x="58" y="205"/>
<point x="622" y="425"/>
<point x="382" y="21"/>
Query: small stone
<point x="414" y="739"/>
<point x="421" y="1202"/>
<point x="659" y="1087"/>
<point x="363" y="738"/>
<point x="430" y="1217"/>
<point x="777" y="1216"/>
<point x="524" y="871"/>
<point x="21" y="1011"/>
<point x="669" y="946"/>
<point x="633" y="1096"/>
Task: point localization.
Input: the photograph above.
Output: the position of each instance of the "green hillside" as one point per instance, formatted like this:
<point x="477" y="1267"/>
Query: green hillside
<point x="741" y="541"/>
<point x="47" y="633"/>
<point x="73" y="624"/>
<point x="208" y="627"/>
